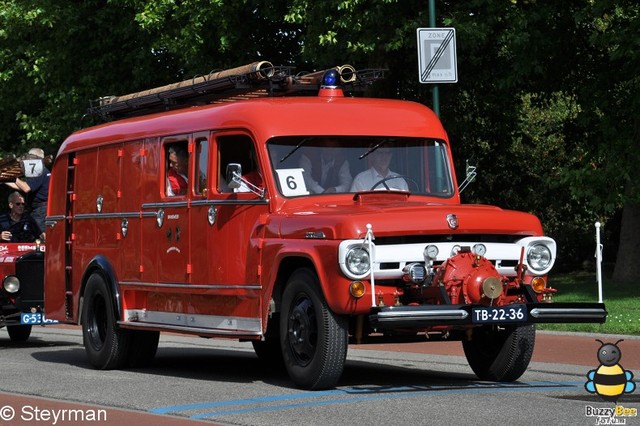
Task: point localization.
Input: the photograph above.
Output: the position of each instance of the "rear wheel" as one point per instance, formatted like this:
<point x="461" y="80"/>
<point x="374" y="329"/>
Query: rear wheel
<point x="500" y="355"/>
<point x="106" y="345"/>
<point x="314" y="340"/>
<point x="19" y="333"/>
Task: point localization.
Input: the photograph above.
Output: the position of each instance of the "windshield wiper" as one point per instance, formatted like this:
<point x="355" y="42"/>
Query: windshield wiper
<point x="295" y="148"/>
<point x="373" y="148"/>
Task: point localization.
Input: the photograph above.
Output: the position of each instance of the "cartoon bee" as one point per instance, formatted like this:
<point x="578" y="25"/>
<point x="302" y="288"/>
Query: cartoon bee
<point x="609" y="380"/>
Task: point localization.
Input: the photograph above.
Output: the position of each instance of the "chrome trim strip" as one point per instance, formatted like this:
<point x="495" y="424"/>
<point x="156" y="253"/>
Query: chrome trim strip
<point x="122" y="215"/>
<point x="444" y="314"/>
<point x="185" y="286"/>
<point x="164" y="205"/>
<point x="189" y="329"/>
<point x="204" y="203"/>
<point x="568" y="313"/>
<point x="208" y="323"/>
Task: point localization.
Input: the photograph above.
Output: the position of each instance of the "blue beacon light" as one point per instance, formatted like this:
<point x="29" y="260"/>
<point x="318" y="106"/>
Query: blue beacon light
<point x="330" y="78"/>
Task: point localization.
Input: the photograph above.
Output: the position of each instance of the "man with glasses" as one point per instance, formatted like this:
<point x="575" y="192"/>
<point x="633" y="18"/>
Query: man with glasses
<point x="17" y="226"/>
<point x="378" y="176"/>
<point x="36" y="187"/>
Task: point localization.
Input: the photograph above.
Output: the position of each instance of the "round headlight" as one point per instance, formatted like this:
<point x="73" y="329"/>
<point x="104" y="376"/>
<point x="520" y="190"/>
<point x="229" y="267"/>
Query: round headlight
<point x="11" y="284"/>
<point x="539" y="257"/>
<point x="358" y="261"/>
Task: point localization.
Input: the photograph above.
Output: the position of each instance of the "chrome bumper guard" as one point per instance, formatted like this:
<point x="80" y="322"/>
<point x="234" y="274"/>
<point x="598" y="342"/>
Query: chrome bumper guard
<point x="392" y="317"/>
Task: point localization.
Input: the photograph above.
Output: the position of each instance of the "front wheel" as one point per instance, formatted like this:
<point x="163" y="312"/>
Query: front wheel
<point x="106" y="345"/>
<point x="500" y="354"/>
<point x="313" y="339"/>
<point x="19" y="333"/>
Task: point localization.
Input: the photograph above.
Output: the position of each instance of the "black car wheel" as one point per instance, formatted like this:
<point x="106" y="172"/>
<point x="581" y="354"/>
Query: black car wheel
<point x="106" y="345"/>
<point x="314" y="339"/>
<point x="500" y="354"/>
<point x="19" y="333"/>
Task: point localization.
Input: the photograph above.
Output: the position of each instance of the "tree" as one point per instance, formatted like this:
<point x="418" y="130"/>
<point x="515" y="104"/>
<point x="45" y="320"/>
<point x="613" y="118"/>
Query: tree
<point x="54" y="57"/>
<point x="614" y="103"/>
<point x="537" y="107"/>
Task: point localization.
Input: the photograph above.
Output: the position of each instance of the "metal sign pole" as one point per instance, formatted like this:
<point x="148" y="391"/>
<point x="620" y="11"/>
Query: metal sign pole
<point x="432" y="24"/>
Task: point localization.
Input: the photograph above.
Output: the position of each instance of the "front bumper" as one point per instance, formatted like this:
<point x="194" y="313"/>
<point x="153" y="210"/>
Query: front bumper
<point x="393" y="317"/>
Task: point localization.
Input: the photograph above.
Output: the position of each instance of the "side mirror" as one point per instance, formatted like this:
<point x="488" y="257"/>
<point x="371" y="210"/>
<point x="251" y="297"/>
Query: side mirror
<point x="233" y="174"/>
<point x="470" y="176"/>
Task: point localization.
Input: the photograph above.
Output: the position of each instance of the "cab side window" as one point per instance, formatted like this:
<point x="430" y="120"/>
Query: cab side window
<point x="177" y="181"/>
<point x="238" y="149"/>
<point x="202" y="166"/>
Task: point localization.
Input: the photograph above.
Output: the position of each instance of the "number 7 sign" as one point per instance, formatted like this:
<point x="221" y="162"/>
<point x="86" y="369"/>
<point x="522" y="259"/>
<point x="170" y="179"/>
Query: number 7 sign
<point x="32" y="168"/>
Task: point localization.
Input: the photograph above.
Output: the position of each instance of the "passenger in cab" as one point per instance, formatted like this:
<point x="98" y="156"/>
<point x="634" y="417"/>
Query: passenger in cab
<point x="17" y="226"/>
<point x="178" y="169"/>
<point x="326" y="169"/>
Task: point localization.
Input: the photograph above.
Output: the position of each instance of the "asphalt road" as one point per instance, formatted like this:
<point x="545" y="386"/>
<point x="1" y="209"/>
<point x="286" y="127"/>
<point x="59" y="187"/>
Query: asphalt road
<point x="48" y="381"/>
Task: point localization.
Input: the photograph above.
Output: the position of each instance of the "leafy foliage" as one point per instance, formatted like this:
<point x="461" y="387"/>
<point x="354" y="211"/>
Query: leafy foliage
<point x="547" y="103"/>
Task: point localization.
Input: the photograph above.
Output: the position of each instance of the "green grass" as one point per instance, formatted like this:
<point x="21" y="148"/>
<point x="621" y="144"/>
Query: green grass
<point x="622" y="301"/>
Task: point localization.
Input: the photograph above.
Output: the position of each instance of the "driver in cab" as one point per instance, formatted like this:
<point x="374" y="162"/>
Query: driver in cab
<point x="378" y="176"/>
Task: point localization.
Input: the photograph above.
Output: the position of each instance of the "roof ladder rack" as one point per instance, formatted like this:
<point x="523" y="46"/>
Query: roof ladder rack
<point x="258" y="79"/>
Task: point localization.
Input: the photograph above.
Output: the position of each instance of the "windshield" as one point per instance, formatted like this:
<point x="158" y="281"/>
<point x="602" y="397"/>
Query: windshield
<point x="317" y="165"/>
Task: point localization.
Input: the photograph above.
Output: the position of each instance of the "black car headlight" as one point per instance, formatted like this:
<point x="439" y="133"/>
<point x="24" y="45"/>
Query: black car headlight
<point x="11" y="284"/>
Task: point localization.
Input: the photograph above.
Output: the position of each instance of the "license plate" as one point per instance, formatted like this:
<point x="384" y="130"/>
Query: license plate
<point x="501" y="314"/>
<point x="35" y="318"/>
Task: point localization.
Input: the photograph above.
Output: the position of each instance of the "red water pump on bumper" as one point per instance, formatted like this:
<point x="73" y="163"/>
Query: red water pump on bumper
<point x="471" y="279"/>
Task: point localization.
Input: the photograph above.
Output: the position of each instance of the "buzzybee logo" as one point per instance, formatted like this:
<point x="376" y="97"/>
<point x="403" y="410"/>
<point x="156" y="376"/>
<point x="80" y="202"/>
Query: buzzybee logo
<point x="609" y="380"/>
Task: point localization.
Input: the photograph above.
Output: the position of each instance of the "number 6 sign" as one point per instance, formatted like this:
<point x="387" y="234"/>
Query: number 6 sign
<point x="292" y="182"/>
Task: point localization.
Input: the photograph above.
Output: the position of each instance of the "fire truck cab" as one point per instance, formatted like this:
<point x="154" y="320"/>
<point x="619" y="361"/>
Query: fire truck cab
<point x="289" y="212"/>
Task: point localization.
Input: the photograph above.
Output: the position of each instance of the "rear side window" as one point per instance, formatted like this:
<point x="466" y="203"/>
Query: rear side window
<point x="177" y="168"/>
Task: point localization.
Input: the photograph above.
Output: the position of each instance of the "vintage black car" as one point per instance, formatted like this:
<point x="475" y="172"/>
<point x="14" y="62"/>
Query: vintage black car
<point x="22" y="292"/>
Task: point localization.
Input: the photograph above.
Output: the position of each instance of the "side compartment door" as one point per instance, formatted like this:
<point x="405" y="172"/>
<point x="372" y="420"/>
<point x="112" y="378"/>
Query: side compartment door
<point x="165" y="225"/>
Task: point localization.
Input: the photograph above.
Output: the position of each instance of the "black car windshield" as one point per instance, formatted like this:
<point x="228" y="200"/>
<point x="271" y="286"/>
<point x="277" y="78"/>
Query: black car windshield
<point x="320" y="164"/>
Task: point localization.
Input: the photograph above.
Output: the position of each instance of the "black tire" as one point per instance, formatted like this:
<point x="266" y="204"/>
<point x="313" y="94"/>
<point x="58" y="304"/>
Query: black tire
<point x="314" y="340"/>
<point x="106" y="345"/>
<point x="269" y="351"/>
<point x="19" y="333"/>
<point x="142" y="348"/>
<point x="500" y="355"/>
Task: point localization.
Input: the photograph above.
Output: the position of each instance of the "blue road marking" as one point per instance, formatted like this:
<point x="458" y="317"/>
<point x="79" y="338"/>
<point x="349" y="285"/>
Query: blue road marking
<point x="354" y="395"/>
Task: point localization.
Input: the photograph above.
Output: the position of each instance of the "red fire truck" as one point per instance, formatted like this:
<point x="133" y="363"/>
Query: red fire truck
<point x="308" y="217"/>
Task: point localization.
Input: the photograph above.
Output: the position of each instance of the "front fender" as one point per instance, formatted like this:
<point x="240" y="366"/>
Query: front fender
<point x="322" y="257"/>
